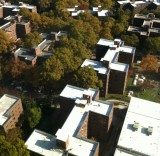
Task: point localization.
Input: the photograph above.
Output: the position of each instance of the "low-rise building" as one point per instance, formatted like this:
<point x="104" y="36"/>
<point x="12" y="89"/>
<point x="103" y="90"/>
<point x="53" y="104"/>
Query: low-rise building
<point x="7" y="9"/>
<point x="141" y="128"/>
<point x="112" y="65"/>
<point x="145" y="25"/>
<point x="10" y="111"/>
<point x="15" y="27"/>
<point x="42" y="51"/>
<point x="139" y="5"/>
<point x="89" y="118"/>
<point x="97" y="11"/>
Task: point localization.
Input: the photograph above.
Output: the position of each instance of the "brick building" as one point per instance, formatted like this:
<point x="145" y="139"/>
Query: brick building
<point x="15" y="27"/>
<point x="112" y="65"/>
<point x="40" y="52"/>
<point x="89" y="119"/>
<point x="96" y="11"/>
<point x="139" y="5"/>
<point x="10" y="29"/>
<point x="7" y="9"/>
<point x="145" y="25"/>
<point x="10" y="111"/>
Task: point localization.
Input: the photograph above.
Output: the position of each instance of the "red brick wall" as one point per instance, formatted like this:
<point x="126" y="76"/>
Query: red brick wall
<point x="15" y="111"/>
<point x="126" y="58"/>
<point x="117" y="82"/>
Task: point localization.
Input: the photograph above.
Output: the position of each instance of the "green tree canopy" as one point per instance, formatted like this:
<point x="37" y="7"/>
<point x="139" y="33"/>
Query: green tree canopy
<point x="31" y="40"/>
<point x="152" y="45"/>
<point x="86" y="77"/>
<point x="33" y="114"/>
<point x="131" y="40"/>
<point x="12" y="149"/>
<point x="4" y="42"/>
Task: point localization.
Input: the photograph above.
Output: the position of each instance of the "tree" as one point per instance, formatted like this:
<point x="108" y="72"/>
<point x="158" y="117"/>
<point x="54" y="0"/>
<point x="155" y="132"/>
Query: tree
<point x="12" y="149"/>
<point x="17" y="68"/>
<point x="83" y="32"/>
<point x="131" y="40"/>
<point x="86" y="77"/>
<point x="149" y="63"/>
<point x="52" y="70"/>
<point x="31" y="40"/>
<point x="33" y="114"/>
<point x="152" y="44"/>
<point x="4" y="42"/>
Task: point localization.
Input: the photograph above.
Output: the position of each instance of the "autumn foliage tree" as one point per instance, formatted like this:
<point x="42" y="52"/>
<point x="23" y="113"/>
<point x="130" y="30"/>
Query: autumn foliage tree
<point x="149" y="63"/>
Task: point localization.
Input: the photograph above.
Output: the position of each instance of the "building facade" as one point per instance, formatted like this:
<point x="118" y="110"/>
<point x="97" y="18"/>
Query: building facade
<point x="10" y="111"/>
<point x="113" y="60"/>
<point x="87" y="124"/>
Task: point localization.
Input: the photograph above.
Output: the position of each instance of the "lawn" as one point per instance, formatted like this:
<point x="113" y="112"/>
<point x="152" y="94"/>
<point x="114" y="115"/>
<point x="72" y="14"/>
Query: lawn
<point x="151" y="94"/>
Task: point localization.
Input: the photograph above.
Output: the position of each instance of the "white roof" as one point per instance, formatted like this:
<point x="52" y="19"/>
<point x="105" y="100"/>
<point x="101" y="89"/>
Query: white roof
<point x="119" y="66"/>
<point x="146" y="113"/>
<point x="43" y="144"/>
<point x="74" y="93"/>
<point x="134" y="4"/>
<point x="111" y="55"/>
<point x="76" y="13"/>
<point x="96" y="65"/>
<point x="103" y="13"/>
<point x="73" y="122"/>
<point x="105" y="42"/>
<point x="119" y="152"/>
<point x="6" y="101"/>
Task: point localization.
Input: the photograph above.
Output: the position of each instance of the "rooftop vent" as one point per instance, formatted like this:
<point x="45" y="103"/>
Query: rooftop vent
<point x="135" y="126"/>
<point x="117" y="42"/>
<point x="149" y="130"/>
<point x="87" y="96"/>
<point x="113" y="47"/>
<point x="151" y="16"/>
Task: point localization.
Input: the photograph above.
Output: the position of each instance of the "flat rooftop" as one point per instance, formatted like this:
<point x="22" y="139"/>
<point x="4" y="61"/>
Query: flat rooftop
<point x="134" y="4"/>
<point x="96" y="65"/>
<point x="6" y="101"/>
<point x="119" y="66"/>
<point x="24" y="53"/>
<point x="43" y="144"/>
<point x="23" y="5"/>
<point x="76" y="119"/>
<point x="75" y="93"/>
<point x="145" y="113"/>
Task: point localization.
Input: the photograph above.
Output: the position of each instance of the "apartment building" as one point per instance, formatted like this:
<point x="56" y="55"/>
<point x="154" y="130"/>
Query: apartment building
<point x="89" y="118"/>
<point x="141" y="128"/>
<point x="15" y="27"/>
<point x="96" y="11"/>
<point x="139" y="5"/>
<point x="10" y="111"/>
<point x="7" y="9"/>
<point x="145" y="25"/>
<point x="113" y="60"/>
<point x="40" y="52"/>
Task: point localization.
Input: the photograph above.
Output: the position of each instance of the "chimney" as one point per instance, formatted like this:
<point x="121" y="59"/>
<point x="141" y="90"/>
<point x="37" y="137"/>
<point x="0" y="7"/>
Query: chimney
<point x="37" y="51"/>
<point x="87" y="96"/>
